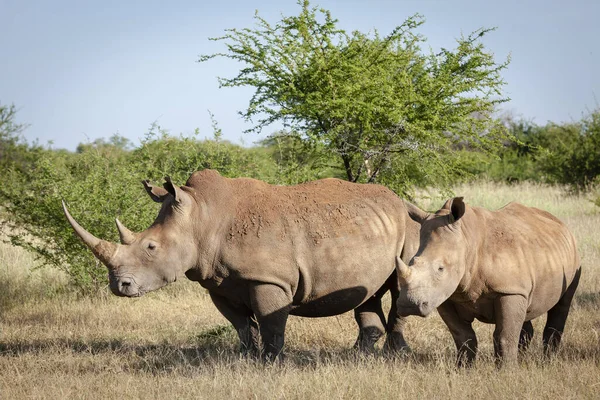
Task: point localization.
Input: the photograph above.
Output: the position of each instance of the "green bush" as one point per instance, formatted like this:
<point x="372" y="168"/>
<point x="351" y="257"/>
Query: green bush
<point x="567" y="154"/>
<point x="573" y="156"/>
<point x="98" y="186"/>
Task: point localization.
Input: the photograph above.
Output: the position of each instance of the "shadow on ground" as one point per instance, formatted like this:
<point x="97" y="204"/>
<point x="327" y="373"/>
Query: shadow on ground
<point x="216" y="347"/>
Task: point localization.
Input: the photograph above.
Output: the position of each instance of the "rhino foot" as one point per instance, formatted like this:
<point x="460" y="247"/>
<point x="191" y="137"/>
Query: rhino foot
<point x="367" y="338"/>
<point x="396" y="345"/>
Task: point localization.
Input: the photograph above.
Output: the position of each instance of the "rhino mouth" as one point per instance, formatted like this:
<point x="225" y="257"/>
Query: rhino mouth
<point x="421" y="309"/>
<point x="125" y="286"/>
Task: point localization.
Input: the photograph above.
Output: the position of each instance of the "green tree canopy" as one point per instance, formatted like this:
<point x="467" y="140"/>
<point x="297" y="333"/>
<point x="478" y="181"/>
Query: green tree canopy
<point x="372" y="101"/>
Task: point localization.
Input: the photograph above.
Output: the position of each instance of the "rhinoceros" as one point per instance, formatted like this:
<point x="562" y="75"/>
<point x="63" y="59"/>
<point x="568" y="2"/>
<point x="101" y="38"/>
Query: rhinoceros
<point x="263" y="252"/>
<point x="502" y="267"/>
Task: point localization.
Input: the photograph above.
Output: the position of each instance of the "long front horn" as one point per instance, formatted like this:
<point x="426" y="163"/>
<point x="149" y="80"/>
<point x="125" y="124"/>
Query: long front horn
<point x="403" y="269"/>
<point x="127" y="236"/>
<point x="102" y="249"/>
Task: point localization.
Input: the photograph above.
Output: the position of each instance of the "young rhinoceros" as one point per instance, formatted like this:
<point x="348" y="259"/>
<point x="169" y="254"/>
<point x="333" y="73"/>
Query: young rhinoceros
<point x="504" y="267"/>
<point x="263" y="252"/>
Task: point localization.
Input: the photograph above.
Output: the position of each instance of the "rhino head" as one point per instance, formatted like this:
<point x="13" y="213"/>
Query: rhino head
<point x="437" y="268"/>
<point x="151" y="259"/>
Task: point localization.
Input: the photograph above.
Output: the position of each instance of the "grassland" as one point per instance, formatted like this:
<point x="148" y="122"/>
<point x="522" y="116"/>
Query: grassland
<point x="174" y="344"/>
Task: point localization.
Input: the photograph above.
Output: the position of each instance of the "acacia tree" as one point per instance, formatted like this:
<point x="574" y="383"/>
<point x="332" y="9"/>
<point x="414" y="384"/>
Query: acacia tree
<point x="375" y="102"/>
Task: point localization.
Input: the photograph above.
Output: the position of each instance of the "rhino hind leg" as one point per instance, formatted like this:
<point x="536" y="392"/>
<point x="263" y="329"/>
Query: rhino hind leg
<point x="272" y="306"/>
<point x="557" y="317"/>
<point x="371" y="324"/>
<point x="526" y="335"/>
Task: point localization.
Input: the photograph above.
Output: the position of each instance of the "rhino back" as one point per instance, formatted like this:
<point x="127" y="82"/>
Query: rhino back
<point x="329" y="243"/>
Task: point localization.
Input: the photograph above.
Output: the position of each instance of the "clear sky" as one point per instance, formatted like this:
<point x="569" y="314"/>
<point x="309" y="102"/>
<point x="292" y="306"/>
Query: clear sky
<point x="79" y="70"/>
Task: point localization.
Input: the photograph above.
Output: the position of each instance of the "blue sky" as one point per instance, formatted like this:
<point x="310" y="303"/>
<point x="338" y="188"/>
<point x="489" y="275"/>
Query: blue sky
<point x="80" y="70"/>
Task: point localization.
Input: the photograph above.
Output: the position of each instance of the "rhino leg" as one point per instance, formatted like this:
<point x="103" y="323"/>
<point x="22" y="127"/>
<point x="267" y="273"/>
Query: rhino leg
<point x="510" y="311"/>
<point x="462" y="333"/>
<point x="557" y="317"/>
<point x="371" y="321"/>
<point x="242" y="319"/>
<point x="395" y="342"/>
<point x="271" y="305"/>
<point x="526" y="335"/>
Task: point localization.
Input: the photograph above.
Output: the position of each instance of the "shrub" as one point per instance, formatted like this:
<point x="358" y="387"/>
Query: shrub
<point x="573" y="155"/>
<point x="567" y="154"/>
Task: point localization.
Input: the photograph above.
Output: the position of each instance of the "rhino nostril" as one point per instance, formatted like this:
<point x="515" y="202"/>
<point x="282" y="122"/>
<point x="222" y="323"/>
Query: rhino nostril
<point x="125" y="283"/>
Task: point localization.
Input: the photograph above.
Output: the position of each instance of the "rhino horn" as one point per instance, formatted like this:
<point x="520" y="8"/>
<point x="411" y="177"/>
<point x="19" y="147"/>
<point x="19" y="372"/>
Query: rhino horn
<point x="102" y="249"/>
<point x="403" y="270"/>
<point x="127" y="236"/>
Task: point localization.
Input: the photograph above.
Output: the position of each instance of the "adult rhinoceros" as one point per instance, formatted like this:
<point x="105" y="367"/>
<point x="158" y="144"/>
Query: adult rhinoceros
<point x="263" y="252"/>
<point x="504" y="267"/>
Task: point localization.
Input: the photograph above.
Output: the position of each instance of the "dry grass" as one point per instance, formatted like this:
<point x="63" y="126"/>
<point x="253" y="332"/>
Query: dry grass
<point x="174" y="344"/>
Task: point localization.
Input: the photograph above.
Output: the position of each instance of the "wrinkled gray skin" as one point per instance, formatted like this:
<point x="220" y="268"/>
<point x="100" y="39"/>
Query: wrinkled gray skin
<point x="503" y="267"/>
<point x="264" y="252"/>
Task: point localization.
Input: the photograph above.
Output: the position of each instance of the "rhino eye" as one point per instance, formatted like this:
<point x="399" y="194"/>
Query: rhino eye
<point x="440" y="269"/>
<point x="151" y="246"/>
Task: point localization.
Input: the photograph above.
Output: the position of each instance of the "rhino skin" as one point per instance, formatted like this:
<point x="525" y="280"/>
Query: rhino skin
<point x="501" y="267"/>
<point x="263" y="252"/>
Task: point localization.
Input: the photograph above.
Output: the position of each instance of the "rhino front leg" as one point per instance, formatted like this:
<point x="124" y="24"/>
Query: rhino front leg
<point x="395" y="342"/>
<point x="242" y="319"/>
<point x="271" y="305"/>
<point x="370" y="319"/>
<point x="510" y="311"/>
<point x="462" y="332"/>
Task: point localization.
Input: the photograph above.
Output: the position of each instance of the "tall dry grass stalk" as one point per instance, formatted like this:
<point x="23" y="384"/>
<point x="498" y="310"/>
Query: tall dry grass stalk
<point x="174" y="344"/>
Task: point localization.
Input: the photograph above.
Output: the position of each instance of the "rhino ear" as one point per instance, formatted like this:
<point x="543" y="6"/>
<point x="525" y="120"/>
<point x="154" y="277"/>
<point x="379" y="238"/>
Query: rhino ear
<point x="174" y="190"/>
<point x="457" y="208"/>
<point x="156" y="193"/>
<point x="415" y="213"/>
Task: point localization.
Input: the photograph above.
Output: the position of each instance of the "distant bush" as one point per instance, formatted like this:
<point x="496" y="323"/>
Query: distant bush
<point x="573" y="156"/>
<point x="567" y="154"/>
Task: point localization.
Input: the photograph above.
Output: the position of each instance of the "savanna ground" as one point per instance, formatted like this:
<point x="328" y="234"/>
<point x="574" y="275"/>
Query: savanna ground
<point x="174" y="344"/>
